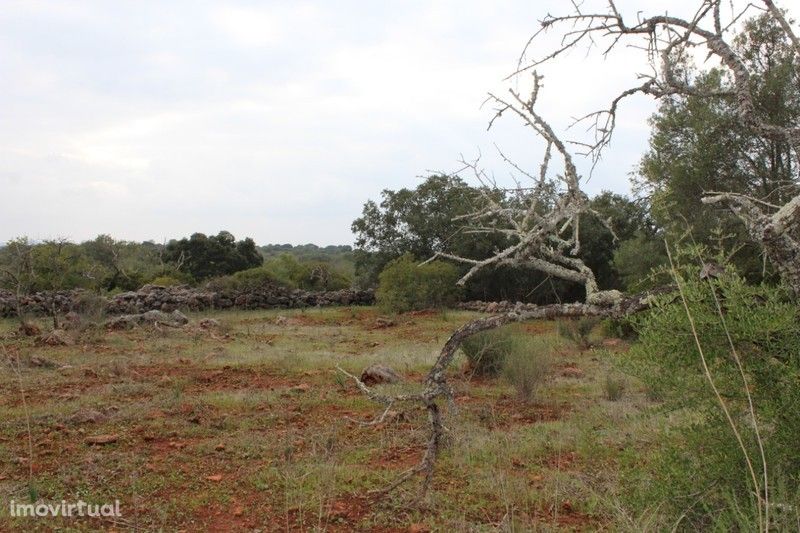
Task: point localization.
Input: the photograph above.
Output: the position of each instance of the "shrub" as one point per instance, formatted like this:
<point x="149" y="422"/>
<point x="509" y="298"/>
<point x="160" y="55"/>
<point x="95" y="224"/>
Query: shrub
<point x="305" y="274"/>
<point x="165" y="276"/>
<point x="700" y="454"/>
<point x="523" y="360"/>
<point x="487" y="351"/>
<point x="166" y="281"/>
<point x="404" y="285"/>
<point x="245" y="280"/>
<point x="578" y="330"/>
<point x="618" y="327"/>
<point x="614" y="387"/>
<point x="527" y="369"/>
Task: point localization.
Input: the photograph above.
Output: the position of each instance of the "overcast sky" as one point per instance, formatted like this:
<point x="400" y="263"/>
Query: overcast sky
<point x="275" y="120"/>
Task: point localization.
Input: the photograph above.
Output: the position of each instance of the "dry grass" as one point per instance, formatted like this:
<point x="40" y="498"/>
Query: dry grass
<point x="214" y="434"/>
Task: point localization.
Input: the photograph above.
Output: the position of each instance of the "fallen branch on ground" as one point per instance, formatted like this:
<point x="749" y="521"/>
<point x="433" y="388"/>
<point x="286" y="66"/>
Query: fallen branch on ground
<point x="437" y="388"/>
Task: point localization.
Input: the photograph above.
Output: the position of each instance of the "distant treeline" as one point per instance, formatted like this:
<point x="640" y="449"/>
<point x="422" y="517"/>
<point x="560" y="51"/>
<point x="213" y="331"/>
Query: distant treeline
<point x="105" y="264"/>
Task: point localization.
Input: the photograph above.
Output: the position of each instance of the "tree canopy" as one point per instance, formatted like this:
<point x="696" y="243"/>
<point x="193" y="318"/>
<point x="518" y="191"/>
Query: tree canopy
<point x="205" y="257"/>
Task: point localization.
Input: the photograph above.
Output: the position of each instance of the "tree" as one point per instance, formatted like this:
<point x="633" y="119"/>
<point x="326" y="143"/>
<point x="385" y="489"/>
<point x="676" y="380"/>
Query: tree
<point x="699" y="144"/>
<point x="47" y="266"/>
<point x="16" y="269"/>
<point x="429" y="219"/>
<point x="627" y="218"/>
<point x="547" y="236"/>
<point x="205" y="257"/>
<point x="420" y="221"/>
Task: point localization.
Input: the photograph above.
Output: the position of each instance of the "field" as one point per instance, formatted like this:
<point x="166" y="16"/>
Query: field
<point x="249" y="427"/>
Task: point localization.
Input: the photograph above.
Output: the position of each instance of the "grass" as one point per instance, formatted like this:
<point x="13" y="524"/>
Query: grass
<point x="213" y="435"/>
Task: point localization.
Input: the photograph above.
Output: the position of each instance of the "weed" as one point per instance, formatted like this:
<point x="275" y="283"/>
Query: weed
<point x="614" y="387"/>
<point x="578" y="331"/>
<point x="527" y="370"/>
<point x="487" y="351"/>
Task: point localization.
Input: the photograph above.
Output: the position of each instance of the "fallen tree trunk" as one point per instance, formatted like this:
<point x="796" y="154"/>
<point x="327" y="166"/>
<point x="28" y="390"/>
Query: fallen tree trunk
<point x="437" y="387"/>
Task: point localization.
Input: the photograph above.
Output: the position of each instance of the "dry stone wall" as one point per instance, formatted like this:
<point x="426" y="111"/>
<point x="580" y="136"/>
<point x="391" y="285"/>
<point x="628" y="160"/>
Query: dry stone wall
<point x="155" y="297"/>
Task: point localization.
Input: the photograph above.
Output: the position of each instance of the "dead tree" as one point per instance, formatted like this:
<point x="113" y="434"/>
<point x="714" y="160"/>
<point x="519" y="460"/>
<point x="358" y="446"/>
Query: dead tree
<point x="665" y="39"/>
<point x="545" y="236"/>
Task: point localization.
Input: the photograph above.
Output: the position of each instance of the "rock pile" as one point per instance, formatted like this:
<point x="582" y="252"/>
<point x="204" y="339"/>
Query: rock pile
<point x="40" y="303"/>
<point x="159" y="298"/>
<point x="154" y="317"/>
<point x="494" y="307"/>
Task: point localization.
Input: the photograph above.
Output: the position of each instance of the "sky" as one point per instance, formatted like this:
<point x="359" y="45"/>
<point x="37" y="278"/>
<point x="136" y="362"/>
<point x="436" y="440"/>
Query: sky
<point x="151" y="120"/>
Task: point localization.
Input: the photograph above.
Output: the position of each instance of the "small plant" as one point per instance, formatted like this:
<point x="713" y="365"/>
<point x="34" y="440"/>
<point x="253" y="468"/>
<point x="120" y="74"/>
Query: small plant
<point x="341" y="381"/>
<point x="177" y="390"/>
<point x="614" y="387"/>
<point x="618" y="327"/>
<point x="725" y="352"/>
<point x="166" y="281"/>
<point x="487" y="351"/>
<point x="526" y="370"/>
<point x="524" y="361"/>
<point x="578" y="331"/>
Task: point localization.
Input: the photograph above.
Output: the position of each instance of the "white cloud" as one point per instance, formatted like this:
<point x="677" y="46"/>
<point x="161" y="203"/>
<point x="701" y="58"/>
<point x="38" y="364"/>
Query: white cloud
<point x="273" y="119"/>
<point x="263" y="26"/>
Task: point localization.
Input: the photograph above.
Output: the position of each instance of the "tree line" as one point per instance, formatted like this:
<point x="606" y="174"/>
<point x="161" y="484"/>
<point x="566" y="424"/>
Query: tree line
<point x="105" y="264"/>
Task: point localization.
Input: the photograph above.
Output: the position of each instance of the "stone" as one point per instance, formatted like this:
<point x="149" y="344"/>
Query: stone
<point x="41" y="362"/>
<point x="102" y="440"/>
<point x="376" y="374"/>
<point x="209" y="323"/>
<point x="72" y="320"/>
<point x="394" y="416"/>
<point x="168" y="299"/>
<point x="174" y="319"/>
<point x="87" y="416"/>
<point x="57" y="337"/>
<point x="383" y="322"/>
<point x="29" y="329"/>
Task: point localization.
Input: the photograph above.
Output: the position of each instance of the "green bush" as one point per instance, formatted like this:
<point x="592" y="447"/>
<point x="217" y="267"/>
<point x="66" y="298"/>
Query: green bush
<point x="618" y="327"/>
<point x="307" y="275"/>
<point x="166" y="281"/>
<point x="487" y="351"/>
<point x="523" y="360"/>
<point x="578" y="330"/>
<point x="699" y="465"/>
<point x="614" y="387"/>
<point x="404" y="285"/>
<point x="245" y="280"/>
<point x="527" y="366"/>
